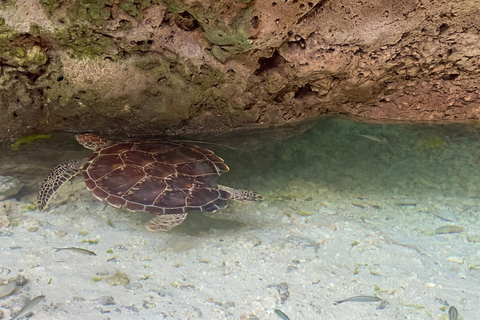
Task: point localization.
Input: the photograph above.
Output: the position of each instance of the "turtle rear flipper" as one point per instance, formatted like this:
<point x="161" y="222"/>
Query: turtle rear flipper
<point x="57" y="178"/>
<point x="165" y="222"/>
<point x="241" y="195"/>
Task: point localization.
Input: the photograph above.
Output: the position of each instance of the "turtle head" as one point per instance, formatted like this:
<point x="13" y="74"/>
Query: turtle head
<point x="91" y="141"/>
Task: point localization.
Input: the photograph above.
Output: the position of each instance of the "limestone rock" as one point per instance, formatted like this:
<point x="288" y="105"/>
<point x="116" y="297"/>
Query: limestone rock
<point x="9" y="186"/>
<point x="182" y="66"/>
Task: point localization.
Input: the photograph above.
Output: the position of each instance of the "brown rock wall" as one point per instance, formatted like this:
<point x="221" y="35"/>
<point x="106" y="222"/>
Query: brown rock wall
<point x="200" y="66"/>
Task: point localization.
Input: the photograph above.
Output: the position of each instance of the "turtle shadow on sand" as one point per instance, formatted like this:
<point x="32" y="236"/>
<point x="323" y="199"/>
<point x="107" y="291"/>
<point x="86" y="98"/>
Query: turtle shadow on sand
<point x="200" y="224"/>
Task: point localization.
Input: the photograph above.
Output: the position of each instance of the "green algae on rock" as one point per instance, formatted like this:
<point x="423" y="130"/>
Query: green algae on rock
<point x="82" y="41"/>
<point x="28" y="139"/>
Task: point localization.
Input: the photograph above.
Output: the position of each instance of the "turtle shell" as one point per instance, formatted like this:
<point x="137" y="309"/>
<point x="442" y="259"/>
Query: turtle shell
<point x="160" y="177"/>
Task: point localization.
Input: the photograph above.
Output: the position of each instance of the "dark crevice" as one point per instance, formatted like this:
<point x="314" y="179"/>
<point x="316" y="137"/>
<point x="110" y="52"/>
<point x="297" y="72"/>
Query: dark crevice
<point x="185" y="21"/>
<point x="274" y="62"/>
<point x="255" y="22"/>
<point x="305" y="92"/>
<point x="451" y="76"/>
<point x="443" y="27"/>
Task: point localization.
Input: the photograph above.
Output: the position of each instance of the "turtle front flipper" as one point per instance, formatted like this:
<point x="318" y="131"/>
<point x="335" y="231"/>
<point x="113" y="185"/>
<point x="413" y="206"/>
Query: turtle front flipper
<point x="57" y="178"/>
<point x="241" y="195"/>
<point x="165" y="222"/>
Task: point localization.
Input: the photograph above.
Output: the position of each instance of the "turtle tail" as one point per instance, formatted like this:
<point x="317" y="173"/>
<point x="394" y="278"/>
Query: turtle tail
<point x="57" y="178"/>
<point x="241" y="195"/>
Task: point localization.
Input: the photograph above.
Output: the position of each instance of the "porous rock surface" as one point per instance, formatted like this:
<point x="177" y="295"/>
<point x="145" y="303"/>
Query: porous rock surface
<point x="180" y="66"/>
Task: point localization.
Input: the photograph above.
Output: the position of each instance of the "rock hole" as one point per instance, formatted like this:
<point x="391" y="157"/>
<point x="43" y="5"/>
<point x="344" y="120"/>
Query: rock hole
<point x="255" y="22"/>
<point x="15" y="115"/>
<point x="451" y="76"/>
<point x="60" y="79"/>
<point x="443" y="27"/>
<point x="304" y="92"/>
<point x="274" y="62"/>
<point x="274" y="4"/>
<point x="186" y="21"/>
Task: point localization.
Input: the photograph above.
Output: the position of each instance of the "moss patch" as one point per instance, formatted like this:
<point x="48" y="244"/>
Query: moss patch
<point x="95" y="11"/>
<point x="20" y="50"/>
<point x="135" y="7"/>
<point x="82" y="42"/>
<point x="226" y="38"/>
<point x="98" y="12"/>
<point x="51" y="5"/>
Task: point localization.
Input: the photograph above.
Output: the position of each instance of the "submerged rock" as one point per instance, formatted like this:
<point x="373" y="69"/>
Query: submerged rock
<point x="9" y="186"/>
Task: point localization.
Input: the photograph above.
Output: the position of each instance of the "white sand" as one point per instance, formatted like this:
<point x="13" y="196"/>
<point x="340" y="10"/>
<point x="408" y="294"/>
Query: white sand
<point x="245" y="262"/>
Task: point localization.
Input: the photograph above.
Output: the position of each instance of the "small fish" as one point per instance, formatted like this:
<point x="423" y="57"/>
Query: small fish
<point x="452" y="313"/>
<point x="359" y="299"/>
<point x="7" y="289"/>
<point x="373" y="138"/>
<point x="281" y="314"/>
<point x="79" y="250"/>
<point x="29" y="306"/>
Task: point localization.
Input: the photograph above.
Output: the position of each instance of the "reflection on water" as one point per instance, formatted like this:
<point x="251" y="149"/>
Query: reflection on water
<point x="350" y="209"/>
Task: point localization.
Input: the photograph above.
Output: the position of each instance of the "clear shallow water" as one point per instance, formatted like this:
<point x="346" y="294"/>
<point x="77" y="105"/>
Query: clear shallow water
<point x="418" y="160"/>
<point x="411" y="160"/>
<point x="327" y="189"/>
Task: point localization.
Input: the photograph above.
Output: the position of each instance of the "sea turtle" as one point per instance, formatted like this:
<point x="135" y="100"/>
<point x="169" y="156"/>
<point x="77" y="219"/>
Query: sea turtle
<point x="162" y="177"/>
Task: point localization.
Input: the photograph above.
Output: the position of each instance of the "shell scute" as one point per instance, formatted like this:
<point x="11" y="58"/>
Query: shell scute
<point x="134" y="206"/>
<point x="197" y="168"/>
<point x="115" y="201"/>
<point x="99" y="193"/>
<point x="179" y="155"/>
<point x="155" y="210"/>
<point x="155" y="146"/>
<point x="182" y="182"/>
<point x="117" y="148"/>
<point x="159" y="169"/>
<point x="137" y="157"/>
<point x="174" y="210"/>
<point x="121" y="180"/>
<point x="90" y="183"/>
<point x="101" y="165"/>
<point x="146" y="191"/>
<point x="214" y="206"/>
<point x="171" y="199"/>
<point x="200" y="197"/>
